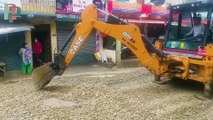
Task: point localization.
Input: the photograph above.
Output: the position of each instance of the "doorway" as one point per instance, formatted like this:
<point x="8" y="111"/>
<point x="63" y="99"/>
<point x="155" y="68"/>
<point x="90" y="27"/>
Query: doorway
<point x="42" y="34"/>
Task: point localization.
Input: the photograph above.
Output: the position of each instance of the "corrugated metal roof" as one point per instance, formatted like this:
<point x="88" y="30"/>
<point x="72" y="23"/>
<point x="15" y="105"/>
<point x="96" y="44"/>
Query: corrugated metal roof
<point x="12" y="28"/>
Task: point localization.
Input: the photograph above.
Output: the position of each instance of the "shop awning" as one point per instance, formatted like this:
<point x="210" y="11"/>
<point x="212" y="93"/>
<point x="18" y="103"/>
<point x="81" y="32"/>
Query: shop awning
<point x="11" y="28"/>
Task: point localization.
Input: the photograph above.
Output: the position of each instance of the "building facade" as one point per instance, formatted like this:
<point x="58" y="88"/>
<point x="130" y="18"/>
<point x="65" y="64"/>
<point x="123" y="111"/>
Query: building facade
<point x="39" y="17"/>
<point x="151" y="20"/>
<point x="42" y="20"/>
<point x="51" y="21"/>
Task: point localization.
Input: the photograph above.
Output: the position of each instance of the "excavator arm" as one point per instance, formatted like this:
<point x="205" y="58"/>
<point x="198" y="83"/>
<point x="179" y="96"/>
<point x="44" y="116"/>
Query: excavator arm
<point x="128" y="34"/>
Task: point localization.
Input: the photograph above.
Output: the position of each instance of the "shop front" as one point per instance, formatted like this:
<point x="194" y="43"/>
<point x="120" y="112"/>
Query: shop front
<point x="150" y="19"/>
<point x="86" y="53"/>
<point x="14" y="35"/>
<point x="42" y="33"/>
<point x="19" y="27"/>
<point x="68" y="13"/>
<point x="12" y="38"/>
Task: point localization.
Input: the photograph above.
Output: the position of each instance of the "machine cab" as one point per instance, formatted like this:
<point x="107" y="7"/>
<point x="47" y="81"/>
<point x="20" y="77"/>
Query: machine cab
<point x="186" y="37"/>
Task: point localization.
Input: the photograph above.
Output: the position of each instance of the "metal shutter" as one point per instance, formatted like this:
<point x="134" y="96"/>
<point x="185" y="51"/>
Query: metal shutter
<point x="85" y="55"/>
<point x="9" y="47"/>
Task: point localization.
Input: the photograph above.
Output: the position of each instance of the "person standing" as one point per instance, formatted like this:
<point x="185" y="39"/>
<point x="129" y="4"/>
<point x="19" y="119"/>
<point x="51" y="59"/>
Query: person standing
<point x="26" y="55"/>
<point x="37" y="51"/>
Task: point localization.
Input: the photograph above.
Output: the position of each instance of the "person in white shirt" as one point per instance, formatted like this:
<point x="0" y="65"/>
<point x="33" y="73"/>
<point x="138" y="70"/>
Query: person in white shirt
<point x="197" y="30"/>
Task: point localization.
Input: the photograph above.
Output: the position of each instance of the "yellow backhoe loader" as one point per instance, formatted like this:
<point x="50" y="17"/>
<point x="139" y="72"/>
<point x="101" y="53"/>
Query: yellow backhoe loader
<point x="175" y="57"/>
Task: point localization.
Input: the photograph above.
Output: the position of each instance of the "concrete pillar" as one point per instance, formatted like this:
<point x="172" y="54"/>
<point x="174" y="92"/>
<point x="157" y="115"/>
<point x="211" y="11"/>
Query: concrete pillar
<point x="28" y="38"/>
<point x="118" y="52"/>
<point x="53" y="38"/>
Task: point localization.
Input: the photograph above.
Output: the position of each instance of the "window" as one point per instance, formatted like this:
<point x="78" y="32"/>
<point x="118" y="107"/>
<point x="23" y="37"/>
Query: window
<point x="179" y="30"/>
<point x="186" y="25"/>
<point x="174" y="26"/>
<point x="210" y="34"/>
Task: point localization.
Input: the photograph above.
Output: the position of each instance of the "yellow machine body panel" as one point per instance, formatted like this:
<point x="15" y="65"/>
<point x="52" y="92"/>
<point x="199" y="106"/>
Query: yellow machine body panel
<point x="150" y="56"/>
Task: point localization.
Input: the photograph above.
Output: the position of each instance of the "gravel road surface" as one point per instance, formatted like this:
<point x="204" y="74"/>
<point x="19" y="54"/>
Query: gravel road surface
<point x="100" y="93"/>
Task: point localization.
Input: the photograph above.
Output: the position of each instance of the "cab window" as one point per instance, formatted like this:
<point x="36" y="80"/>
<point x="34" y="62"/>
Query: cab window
<point x="210" y="34"/>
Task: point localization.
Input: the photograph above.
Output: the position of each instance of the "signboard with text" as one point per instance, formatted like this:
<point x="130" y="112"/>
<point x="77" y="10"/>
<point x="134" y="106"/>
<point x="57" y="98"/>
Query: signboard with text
<point x="126" y="7"/>
<point x="75" y="6"/>
<point x="64" y="6"/>
<point x="16" y="2"/>
<point x="135" y="11"/>
<point x="79" y="5"/>
<point x="159" y="11"/>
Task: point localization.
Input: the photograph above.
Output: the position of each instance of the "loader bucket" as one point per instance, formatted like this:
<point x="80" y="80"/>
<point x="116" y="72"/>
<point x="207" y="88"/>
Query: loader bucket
<point x="42" y="76"/>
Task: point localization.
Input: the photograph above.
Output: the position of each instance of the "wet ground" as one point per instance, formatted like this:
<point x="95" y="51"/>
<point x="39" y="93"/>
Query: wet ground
<point x="95" y="93"/>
